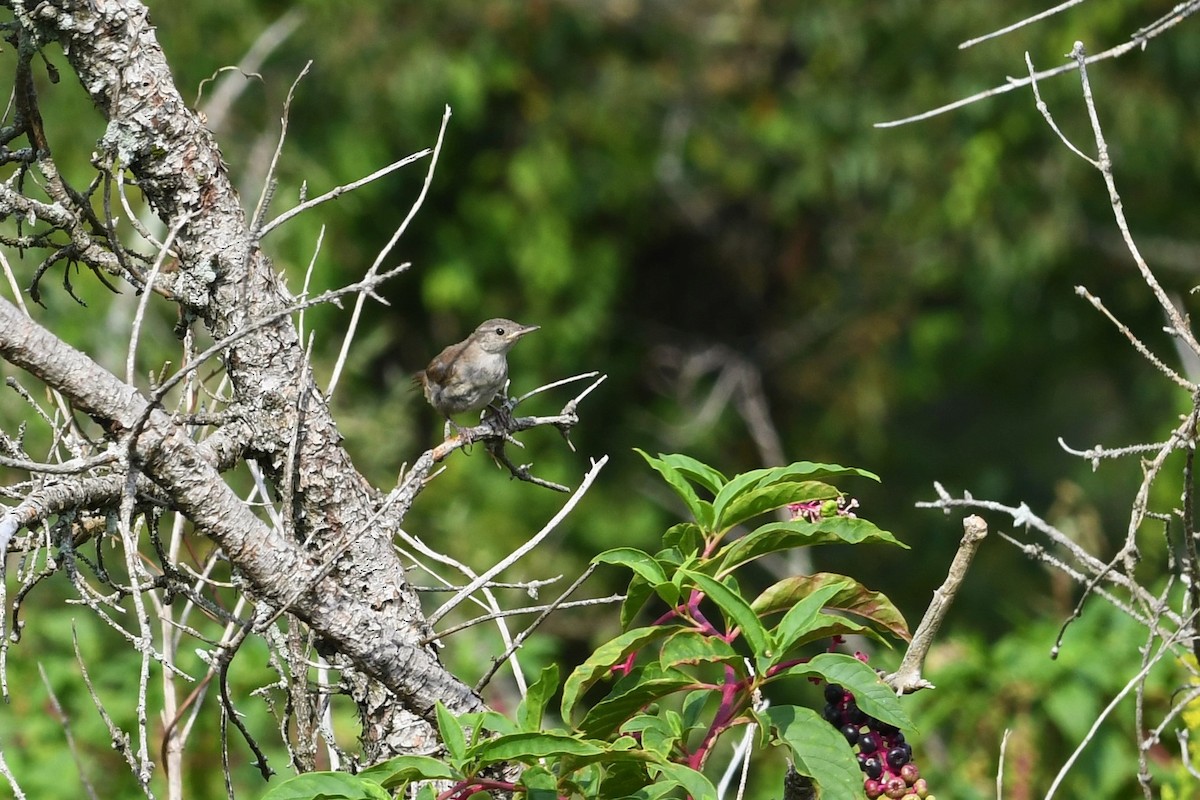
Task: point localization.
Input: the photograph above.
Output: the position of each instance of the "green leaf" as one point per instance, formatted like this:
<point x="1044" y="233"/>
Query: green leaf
<point x="799" y="620"/>
<point x="601" y="662"/>
<point x="694" y="783"/>
<point x="828" y="625"/>
<point x="537" y="697"/>
<point x="658" y="734"/>
<point x="810" y="470"/>
<point x="736" y="610"/>
<point x="697" y="471"/>
<point x="736" y="495"/>
<point x="652" y="792"/>
<point x="330" y="785"/>
<point x="685" y="537"/>
<point x="639" y="561"/>
<point x="452" y="734"/>
<point x="762" y="499"/>
<point x="736" y="487"/>
<point x="635" y="597"/>
<point x="622" y="779"/>
<point x="403" y="769"/>
<point x="623" y="751"/>
<point x="871" y="694"/>
<point x="776" y="536"/>
<point x="493" y="721"/>
<point x="853" y="599"/>
<point x="692" y="710"/>
<point x="539" y="783"/>
<point x="701" y="510"/>
<point x="529" y="746"/>
<point x="692" y="647"/>
<point x="611" y="712"/>
<point x="818" y="750"/>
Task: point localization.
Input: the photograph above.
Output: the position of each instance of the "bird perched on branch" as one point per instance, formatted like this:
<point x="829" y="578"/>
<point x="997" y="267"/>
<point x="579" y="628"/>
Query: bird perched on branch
<point x="467" y="376"/>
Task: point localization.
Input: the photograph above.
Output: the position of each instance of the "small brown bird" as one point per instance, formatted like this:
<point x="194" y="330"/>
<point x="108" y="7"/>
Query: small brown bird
<point x="468" y="375"/>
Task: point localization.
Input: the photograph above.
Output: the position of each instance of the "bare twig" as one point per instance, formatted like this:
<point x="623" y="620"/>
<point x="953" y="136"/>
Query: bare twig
<point x="1041" y="15"/>
<point x="118" y="737"/>
<point x="1164" y="649"/>
<point x="561" y="602"/>
<point x="907" y="678"/>
<point x="387" y="248"/>
<point x="1139" y="41"/>
<point x="516" y="612"/>
<point x="521" y="551"/>
<point x="268" y="189"/>
<point x="65" y="722"/>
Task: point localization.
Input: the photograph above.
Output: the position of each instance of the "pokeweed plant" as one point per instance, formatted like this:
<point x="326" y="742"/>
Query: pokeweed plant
<point x="643" y="714"/>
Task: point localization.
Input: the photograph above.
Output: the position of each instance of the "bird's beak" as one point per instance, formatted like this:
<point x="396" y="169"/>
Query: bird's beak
<point x="526" y="329"/>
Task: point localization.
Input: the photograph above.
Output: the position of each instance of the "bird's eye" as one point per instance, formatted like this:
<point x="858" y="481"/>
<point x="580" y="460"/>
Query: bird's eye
<point x="499" y="331"/>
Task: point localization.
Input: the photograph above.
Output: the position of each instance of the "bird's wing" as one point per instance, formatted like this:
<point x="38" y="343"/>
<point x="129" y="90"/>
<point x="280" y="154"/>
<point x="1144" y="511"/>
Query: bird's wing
<point x="439" y="369"/>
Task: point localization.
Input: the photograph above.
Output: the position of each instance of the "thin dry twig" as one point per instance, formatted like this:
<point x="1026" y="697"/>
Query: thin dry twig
<point x="1038" y="17"/>
<point x="118" y="737"/>
<point x="1139" y="41"/>
<point x="1163" y="650"/>
<point x="907" y="678"/>
<point x="521" y="551"/>
<point x="65" y="722"/>
<point x="387" y="248"/>
<point x="560" y="602"/>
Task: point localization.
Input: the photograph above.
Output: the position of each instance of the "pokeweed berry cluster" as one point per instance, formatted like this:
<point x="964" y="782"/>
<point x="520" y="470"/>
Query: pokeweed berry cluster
<point x="883" y="755"/>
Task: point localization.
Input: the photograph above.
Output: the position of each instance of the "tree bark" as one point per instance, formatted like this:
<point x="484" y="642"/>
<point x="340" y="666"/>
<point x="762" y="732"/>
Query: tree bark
<point x="363" y="608"/>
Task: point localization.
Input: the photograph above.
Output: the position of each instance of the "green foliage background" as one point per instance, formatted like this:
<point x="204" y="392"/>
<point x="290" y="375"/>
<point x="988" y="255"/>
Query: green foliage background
<point x="641" y="177"/>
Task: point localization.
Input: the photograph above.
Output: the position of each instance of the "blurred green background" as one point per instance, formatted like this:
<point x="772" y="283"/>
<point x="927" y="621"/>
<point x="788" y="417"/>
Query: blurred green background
<point x="691" y="199"/>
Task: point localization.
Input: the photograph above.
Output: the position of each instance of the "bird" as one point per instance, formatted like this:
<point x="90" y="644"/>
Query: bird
<point x="468" y="375"/>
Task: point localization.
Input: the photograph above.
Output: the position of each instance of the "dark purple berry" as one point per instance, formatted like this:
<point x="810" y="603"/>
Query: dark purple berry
<point x="897" y="738"/>
<point x="897" y="757"/>
<point x="873" y="767"/>
<point x="862" y="761"/>
<point x="831" y="713"/>
<point x="834" y="693"/>
<point x="869" y="742"/>
<point x="854" y="713"/>
<point x="850" y="731"/>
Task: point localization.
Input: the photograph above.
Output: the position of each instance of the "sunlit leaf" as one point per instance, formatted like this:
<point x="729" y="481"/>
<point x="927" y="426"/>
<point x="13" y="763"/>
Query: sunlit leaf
<point x="601" y="662"/>
<point x="611" y="712"/>
<point x="799" y="620"/>
<point x="529" y="746"/>
<point x="639" y="561"/>
<point x="451" y="732"/>
<point x="691" y="647"/>
<point x="403" y="769"/>
<point x="736" y="610"/>
<point x="701" y="510"/>
<point x="776" y="536"/>
<point x="697" y="471"/>
<point x="331" y="785"/>
<point x="854" y="598"/>
<point x="762" y="499"/>
<point x="871" y="694"/>
<point x="818" y="750"/>
<point x="694" y="783"/>
<point x="537" y="697"/>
